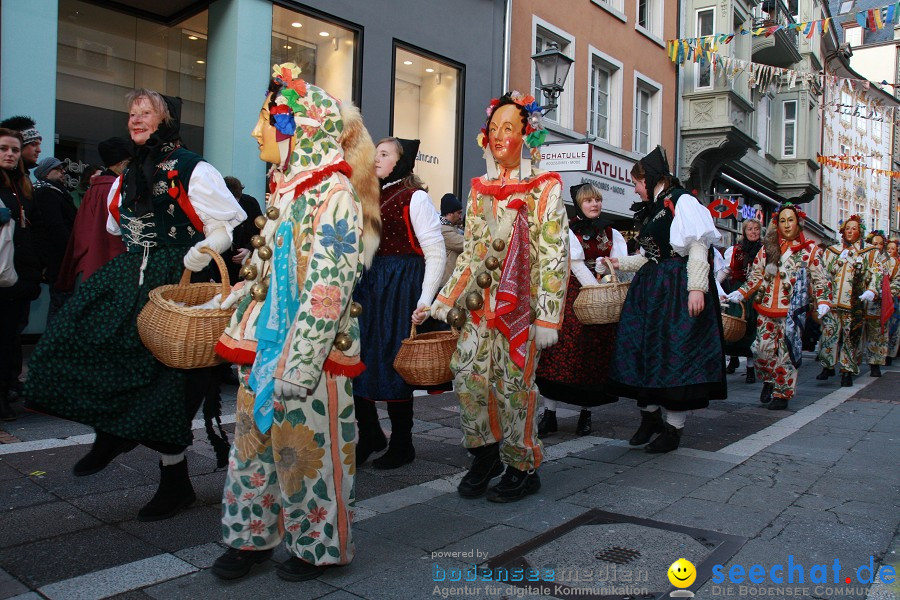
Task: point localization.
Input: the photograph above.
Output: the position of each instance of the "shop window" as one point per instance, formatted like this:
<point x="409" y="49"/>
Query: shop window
<point x="425" y="107"/>
<point x="703" y="69"/>
<point x="326" y="52"/>
<point x="789" y="139"/>
<point x="543" y="37"/>
<point x="103" y="54"/>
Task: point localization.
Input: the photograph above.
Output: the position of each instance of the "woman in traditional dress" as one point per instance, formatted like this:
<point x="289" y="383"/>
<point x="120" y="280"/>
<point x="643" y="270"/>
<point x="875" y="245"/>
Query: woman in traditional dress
<point x="892" y="268"/>
<point x="785" y="274"/>
<point x="669" y="351"/>
<point x="91" y="366"/>
<point x="738" y="260"/>
<point x="574" y="370"/>
<point x="400" y="285"/>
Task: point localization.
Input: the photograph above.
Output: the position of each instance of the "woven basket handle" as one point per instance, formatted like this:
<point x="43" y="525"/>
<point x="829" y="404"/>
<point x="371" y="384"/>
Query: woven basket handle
<point x="412" y="332"/>
<point x="223" y="271"/>
<point x="612" y="271"/>
<point x="743" y="312"/>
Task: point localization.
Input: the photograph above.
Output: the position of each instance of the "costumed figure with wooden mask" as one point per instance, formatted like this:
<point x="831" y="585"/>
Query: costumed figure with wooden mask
<point x="879" y="310"/>
<point x="892" y="269"/>
<point x="855" y="273"/>
<point x="511" y="281"/>
<point x="785" y="273"/>
<point x="295" y="336"/>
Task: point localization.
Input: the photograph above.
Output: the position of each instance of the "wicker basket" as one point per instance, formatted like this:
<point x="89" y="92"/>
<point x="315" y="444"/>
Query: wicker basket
<point x="425" y="359"/>
<point x="601" y="304"/>
<point x="734" y="328"/>
<point x="184" y="337"/>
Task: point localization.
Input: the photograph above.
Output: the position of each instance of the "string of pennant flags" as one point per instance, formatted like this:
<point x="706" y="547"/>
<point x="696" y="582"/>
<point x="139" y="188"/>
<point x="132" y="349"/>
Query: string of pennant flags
<point x="839" y="161"/>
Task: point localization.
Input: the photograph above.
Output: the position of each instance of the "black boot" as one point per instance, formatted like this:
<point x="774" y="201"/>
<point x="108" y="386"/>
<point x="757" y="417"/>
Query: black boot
<point x="667" y="441"/>
<point x="547" y="424"/>
<point x="400" y="450"/>
<point x="237" y="563"/>
<point x="106" y="447"/>
<point x="584" y="422"/>
<point x="846" y="379"/>
<point x="297" y="569"/>
<point x="766" y="395"/>
<point x="778" y="403"/>
<point x="733" y="363"/>
<point x="6" y="411"/>
<point x="174" y="493"/>
<point x="874" y="371"/>
<point x="514" y="485"/>
<point x="825" y="374"/>
<point x="371" y="437"/>
<point x="651" y="422"/>
<point x="485" y="467"/>
<point x="888" y="360"/>
<point x="751" y="375"/>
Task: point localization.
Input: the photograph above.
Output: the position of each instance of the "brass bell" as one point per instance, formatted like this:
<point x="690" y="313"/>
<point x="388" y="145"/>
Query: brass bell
<point x="356" y="309"/>
<point x="260" y="222"/>
<point x="483" y="280"/>
<point x="257" y="241"/>
<point x="474" y="301"/>
<point x="264" y="253"/>
<point x="343" y="341"/>
<point x="259" y="291"/>
<point x="248" y="272"/>
<point x="272" y="212"/>
<point x="456" y="318"/>
<point x="492" y="263"/>
<point x="498" y="245"/>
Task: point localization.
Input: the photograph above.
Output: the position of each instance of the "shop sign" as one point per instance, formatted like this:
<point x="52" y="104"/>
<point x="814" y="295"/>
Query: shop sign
<point x="723" y="208"/>
<point x="566" y="157"/>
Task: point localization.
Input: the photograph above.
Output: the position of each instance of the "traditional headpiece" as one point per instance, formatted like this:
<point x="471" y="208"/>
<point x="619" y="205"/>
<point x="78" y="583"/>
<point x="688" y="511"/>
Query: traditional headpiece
<point x="801" y="216"/>
<point x="406" y="163"/>
<point x="876" y="233"/>
<point x="857" y="218"/>
<point x="656" y="166"/>
<point x="535" y="134"/>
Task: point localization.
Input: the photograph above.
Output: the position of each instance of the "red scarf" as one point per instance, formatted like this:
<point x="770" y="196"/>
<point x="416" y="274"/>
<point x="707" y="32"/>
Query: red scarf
<point x="514" y="292"/>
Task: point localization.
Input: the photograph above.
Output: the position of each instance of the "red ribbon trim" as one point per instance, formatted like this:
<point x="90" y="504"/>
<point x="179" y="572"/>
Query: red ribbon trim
<point x="320" y="176"/>
<point x="504" y="191"/>
<point x="336" y="369"/>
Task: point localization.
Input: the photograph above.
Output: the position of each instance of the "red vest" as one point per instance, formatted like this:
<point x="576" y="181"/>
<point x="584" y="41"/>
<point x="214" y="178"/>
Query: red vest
<point x="397" y="235"/>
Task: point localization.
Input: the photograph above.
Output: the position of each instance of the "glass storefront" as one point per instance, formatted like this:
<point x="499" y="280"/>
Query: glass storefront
<point x="324" y="51"/>
<point x="102" y="55"/>
<point x="425" y="107"/>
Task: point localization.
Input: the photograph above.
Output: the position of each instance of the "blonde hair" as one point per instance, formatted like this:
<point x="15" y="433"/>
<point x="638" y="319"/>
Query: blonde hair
<point x="748" y="222"/>
<point x="587" y="190"/>
<point x="412" y="180"/>
<point x="154" y="98"/>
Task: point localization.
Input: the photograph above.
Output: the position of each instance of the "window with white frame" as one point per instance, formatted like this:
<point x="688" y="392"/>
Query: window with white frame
<point x="601" y="79"/>
<point x="789" y="129"/>
<point x="703" y="69"/>
<point x="604" y="106"/>
<point x="846" y="107"/>
<point x="763" y="124"/>
<point x="615" y="4"/>
<point x="649" y="17"/>
<point x="647" y="118"/>
<point x="542" y="39"/>
<point x="876" y="126"/>
<point x="853" y="35"/>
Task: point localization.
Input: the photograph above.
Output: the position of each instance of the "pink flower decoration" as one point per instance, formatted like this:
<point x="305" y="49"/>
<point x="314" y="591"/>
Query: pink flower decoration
<point x="326" y="301"/>
<point x="293" y="527"/>
<point x="230" y="498"/>
<point x="317" y="515"/>
<point x="268" y="500"/>
<point x="257" y="526"/>
<point x="248" y="496"/>
<point x="257" y="479"/>
<point x="314" y="534"/>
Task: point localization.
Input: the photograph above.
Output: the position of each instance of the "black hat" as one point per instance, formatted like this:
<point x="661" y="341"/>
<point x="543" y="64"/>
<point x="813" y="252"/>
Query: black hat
<point x="656" y="166"/>
<point x="407" y="161"/>
<point x="114" y="150"/>
<point x="450" y="204"/>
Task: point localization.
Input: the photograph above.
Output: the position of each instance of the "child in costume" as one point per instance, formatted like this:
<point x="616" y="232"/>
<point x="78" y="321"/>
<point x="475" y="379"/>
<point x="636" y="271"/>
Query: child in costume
<point x="512" y="276"/>
<point x="783" y="273"/>
<point x="856" y="278"/>
<point x="294" y="333"/>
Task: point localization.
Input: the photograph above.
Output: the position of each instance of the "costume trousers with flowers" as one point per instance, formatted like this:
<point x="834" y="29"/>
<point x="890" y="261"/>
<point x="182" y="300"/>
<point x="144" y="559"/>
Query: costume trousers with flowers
<point x="772" y="359"/>
<point x="497" y="399"/>
<point x="875" y="346"/>
<point x="835" y="347"/>
<point x="292" y="483"/>
<point x="894" y="330"/>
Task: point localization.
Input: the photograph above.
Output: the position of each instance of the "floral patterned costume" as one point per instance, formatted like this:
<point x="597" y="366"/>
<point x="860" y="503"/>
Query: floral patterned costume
<point x="498" y="397"/>
<point x="841" y="332"/>
<point x="291" y="470"/>
<point x="773" y="297"/>
<point x="875" y="345"/>
<point x="892" y="268"/>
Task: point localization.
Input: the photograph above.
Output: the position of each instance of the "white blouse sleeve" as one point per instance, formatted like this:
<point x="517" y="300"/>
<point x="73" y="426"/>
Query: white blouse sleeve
<point x="729" y="252"/>
<point x="111" y="226"/>
<point x="718" y="262"/>
<point x="692" y="225"/>
<point x="620" y="246"/>
<point x="212" y="201"/>
<point x="576" y="251"/>
<point x="426" y="222"/>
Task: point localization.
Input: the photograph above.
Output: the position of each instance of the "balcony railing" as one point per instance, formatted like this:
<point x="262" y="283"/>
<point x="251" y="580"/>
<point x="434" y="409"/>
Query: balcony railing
<point x="780" y="49"/>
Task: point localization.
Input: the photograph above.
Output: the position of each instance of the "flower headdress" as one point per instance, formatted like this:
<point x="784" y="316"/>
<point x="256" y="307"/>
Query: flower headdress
<point x="859" y="221"/>
<point x="800" y="214"/>
<point x="289" y="88"/>
<point x="876" y="233"/>
<point x="535" y="134"/>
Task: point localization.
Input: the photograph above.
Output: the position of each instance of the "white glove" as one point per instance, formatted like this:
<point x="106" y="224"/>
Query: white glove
<point x="544" y="337"/>
<point x="735" y="296"/>
<point x="287" y="390"/>
<point x="867" y="296"/>
<point x="218" y="240"/>
<point x="439" y="311"/>
<point x="844" y="254"/>
<point x="823" y="310"/>
<point x="237" y="292"/>
<point x="582" y="273"/>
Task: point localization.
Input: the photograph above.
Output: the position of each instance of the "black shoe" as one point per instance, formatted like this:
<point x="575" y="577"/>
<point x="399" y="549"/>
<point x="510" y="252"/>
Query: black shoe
<point x="733" y="363"/>
<point x="778" y="403"/>
<point x="825" y="374"/>
<point x="174" y="493"/>
<point x="888" y="360"/>
<point x="584" y="422"/>
<point x="651" y="422"/>
<point x="751" y="375"/>
<point x="766" y="395"/>
<point x="237" y="563"/>
<point x="667" y="441"/>
<point x="874" y="371"/>
<point x="371" y="436"/>
<point x="514" y="486"/>
<point x="6" y="411"/>
<point x="296" y="569"/>
<point x="846" y="379"/>
<point x="106" y="447"/>
<point x="396" y="456"/>
<point x="547" y="424"/>
<point x="485" y="467"/>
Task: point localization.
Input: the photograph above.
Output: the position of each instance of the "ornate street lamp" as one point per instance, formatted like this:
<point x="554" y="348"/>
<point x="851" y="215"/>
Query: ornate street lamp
<point x="553" y="68"/>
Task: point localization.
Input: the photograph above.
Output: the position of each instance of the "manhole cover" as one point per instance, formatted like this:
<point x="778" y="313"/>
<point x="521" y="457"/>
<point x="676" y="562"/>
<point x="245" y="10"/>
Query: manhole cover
<point x="617" y="555"/>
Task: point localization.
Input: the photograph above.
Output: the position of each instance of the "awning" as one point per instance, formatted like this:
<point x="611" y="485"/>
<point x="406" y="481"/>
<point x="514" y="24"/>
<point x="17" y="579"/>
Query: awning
<point x="748" y="189"/>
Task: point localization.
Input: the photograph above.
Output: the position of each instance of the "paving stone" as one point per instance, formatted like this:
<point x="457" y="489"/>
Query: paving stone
<point x="206" y="586"/>
<point x="399" y="499"/>
<point x="689" y="465"/>
<point x="43" y="521"/>
<point x="725" y="518"/>
<point x="374" y="555"/>
<point x="341" y="595"/>
<point x="623" y="500"/>
<point x="20" y="492"/>
<point x="191" y="527"/>
<point x="12" y="587"/>
<point x="117" y="505"/>
<point x="368" y="484"/>
<point x="7" y="472"/>
<point x="560" y="484"/>
<point x="414" y="579"/>
<point x="872" y="489"/>
<point x="406" y="525"/>
<point x="646" y="478"/>
<point x="490" y="542"/>
<point x="202" y="556"/>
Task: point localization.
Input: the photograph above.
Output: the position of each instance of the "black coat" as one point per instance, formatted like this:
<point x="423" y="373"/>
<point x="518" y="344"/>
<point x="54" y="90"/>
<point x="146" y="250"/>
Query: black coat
<point x="25" y="258"/>
<point x="54" y="218"/>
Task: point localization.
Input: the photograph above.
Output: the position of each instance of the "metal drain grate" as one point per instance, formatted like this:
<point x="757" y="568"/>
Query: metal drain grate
<point x="617" y="555"/>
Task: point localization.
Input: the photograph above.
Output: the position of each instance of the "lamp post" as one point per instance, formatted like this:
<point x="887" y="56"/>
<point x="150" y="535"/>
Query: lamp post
<point x="553" y="68"/>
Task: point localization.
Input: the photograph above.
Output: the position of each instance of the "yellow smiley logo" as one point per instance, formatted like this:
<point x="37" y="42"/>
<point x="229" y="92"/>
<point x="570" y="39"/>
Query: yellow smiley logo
<point x="682" y="573"/>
